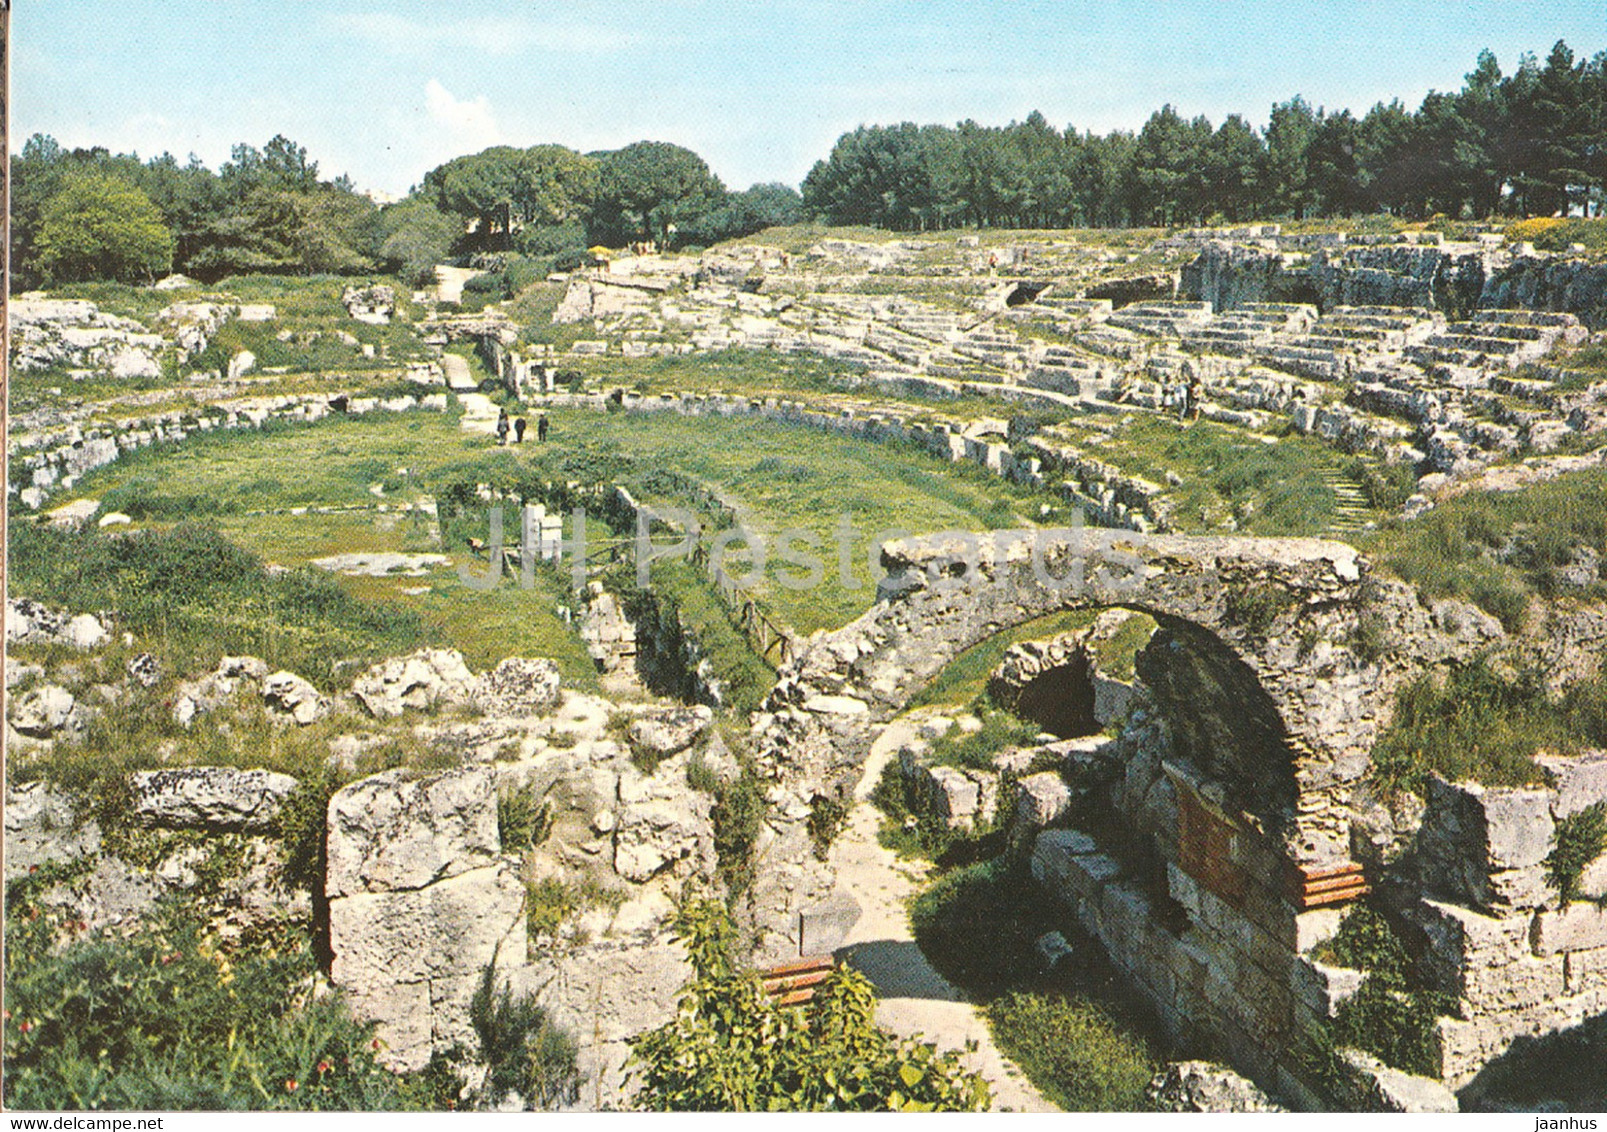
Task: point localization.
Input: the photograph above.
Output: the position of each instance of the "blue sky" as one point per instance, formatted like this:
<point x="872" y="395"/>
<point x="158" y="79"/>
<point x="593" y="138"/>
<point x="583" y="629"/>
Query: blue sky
<point x="386" y="89"/>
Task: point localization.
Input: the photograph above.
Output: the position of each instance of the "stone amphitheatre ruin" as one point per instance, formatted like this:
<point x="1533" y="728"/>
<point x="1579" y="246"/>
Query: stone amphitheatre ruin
<point x="1241" y="820"/>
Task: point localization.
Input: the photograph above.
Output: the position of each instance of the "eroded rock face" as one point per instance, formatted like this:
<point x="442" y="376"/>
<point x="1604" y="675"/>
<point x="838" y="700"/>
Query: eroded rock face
<point x="217" y="688"/>
<point x="420" y="680"/>
<point x="518" y="686"/>
<point x="47" y="712"/>
<point x="41" y="826"/>
<point x="209" y="797"/>
<point x="421" y="902"/>
<point x="1204" y="1086"/>
<point x="30" y="622"/>
<point x="289" y="694"/>
<point x="659" y="734"/>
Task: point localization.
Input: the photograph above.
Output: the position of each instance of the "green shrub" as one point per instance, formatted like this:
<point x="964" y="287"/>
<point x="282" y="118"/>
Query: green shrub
<point x="827" y="816"/>
<point x="1581" y="838"/>
<point x="168" y="1017"/>
<point x="1388" y="1016"/>
<point x="522" y="1049"/>
<point x="1074" y="1052"/>
<point x="523" y="820"/>
<point x="738" y="816"/>
<point x="730" y="1049"/>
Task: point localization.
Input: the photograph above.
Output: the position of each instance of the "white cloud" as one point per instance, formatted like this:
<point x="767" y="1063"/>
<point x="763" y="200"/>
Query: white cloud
<point x="500" y="36"/>
<point x="464" y="125"/>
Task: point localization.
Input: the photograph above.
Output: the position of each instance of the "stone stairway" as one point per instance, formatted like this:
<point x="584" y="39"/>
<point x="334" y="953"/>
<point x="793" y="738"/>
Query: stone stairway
<point x="1351" y="509"/>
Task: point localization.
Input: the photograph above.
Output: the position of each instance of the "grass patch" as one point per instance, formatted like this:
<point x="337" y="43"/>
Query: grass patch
<point x="1500" y="549"/>
<point x="965" y="678"/>
<point x="1080" y="1057"/>
<point x="975" y="749"/>
<point x="193" y="597"/>
<point x="1478" y="724"/>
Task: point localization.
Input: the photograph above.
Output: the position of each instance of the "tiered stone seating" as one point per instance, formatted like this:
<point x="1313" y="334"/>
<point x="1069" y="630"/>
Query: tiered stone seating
<point x="1497" y="338"/>
<point x="1162" y="318"/>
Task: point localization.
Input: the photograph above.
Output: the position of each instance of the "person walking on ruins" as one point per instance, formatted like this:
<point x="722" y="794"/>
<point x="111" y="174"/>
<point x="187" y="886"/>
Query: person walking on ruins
<point x="502" y="427"/>
<point x="519" y="430"/>
<point x="1195" y="389"/>
<point x="541" y="429"/>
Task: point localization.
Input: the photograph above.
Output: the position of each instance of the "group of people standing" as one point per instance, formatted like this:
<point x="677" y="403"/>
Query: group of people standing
<point x="518" y="425"/>
<point x="1184" y="396"/>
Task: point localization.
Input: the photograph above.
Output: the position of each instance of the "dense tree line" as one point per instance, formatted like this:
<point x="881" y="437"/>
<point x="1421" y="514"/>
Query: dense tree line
<point x="1529" y="143"/>
<point x="1532" y="143"/>
<point x="91" y="214"/>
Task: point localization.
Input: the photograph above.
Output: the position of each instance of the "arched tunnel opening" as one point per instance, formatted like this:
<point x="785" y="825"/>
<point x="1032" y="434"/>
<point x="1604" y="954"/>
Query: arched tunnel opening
<point x="1025" y="292"/>
<point x="1060" y="700"/>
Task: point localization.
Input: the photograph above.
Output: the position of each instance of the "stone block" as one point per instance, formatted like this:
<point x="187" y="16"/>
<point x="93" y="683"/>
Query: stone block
<point x="1086" y="875"/>
<point x="1520" y="828"/>
<point x="1593" y="881"/>
<point x="1520" y="889"/>
<point x="952" y="795"/>
<point x="1316" y="927"/>
<point x="1041" y="799"/>
<point x="387" y="833"/>
<point x="1459" y="939"/>
<point x="1581" y="781"/>
<point x="210" y="797"/>
<point x="1378" y="1088"/>
<point x="1517" y="985"/>
<point x="823" y="926"/>
<point x="1321" y="988"/>
<point x="1587" y="970"/>
<point x="1582" y="926"/>
<point x="1460" y="1049"/>
<point x="1052" y="855"/>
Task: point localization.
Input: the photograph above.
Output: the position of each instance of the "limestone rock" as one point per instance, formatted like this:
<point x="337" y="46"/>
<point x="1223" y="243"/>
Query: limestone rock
<point x="41" y="826"/>
<point x="217" y="688"/>
<point x="30" y="622"/>
<point x="289" y="694"/>
<point x="46" y="711"/>
<point x="660" y="734"/>
<point x="412" y="960"/>
<point x="144" y="670"/>
<point x="518" y="686"/>
<point x="1041" y="800"/>
<point x="420" y="680"/>
<point x="209" y="797"/>
<point x="387" y="833"/>
<point x="659" y="833"/>
<point x="421" y="903"/>
<point x="85" y="632"/>
<point x="1375" y="1087"/>
<point x="1203" y="1086"/>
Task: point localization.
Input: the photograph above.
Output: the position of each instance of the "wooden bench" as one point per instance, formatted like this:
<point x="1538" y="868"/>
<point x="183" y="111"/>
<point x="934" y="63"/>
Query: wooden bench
<point x="793" y="984"/>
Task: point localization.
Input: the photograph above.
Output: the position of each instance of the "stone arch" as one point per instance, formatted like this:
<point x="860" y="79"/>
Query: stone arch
<point x="1267" y="623"/>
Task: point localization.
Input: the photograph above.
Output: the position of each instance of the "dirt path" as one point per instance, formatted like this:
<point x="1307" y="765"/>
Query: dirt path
<point x="915" y="999"/>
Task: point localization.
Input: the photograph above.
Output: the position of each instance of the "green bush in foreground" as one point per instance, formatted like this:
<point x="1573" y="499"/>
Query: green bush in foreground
<point x="169" y="1018"/>
<point x="730" y="1049"/>
<point x="1074" y="1052"/>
